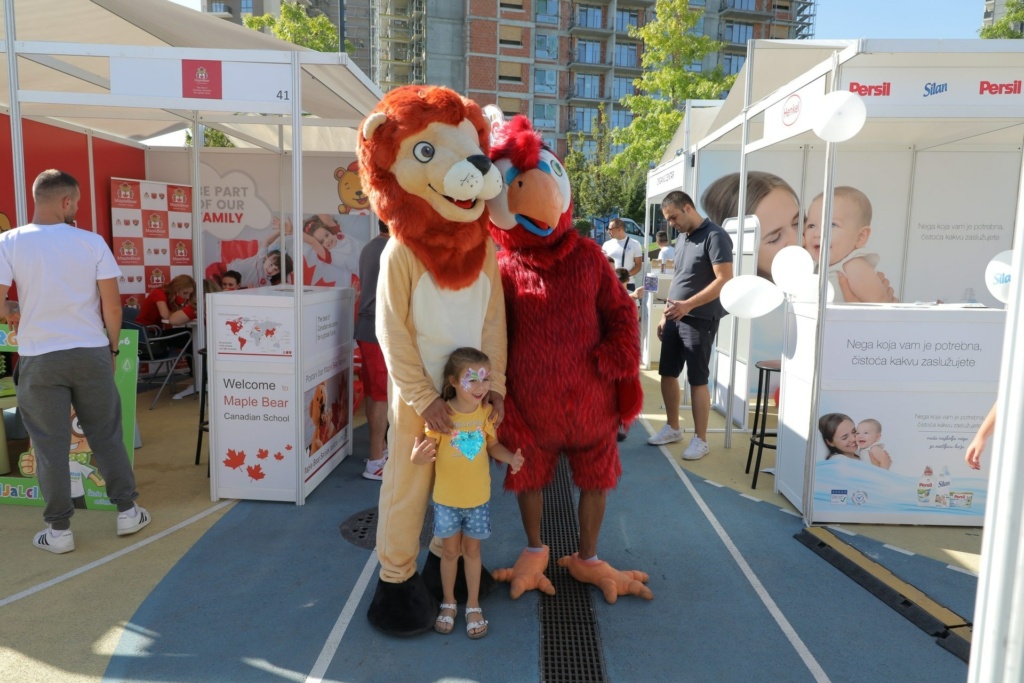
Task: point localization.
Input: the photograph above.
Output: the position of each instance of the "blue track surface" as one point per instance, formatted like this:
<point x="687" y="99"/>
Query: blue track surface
<point x="258" y="596"/>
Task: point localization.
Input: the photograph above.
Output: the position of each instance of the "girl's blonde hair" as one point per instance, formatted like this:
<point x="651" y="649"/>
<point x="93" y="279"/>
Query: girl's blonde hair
<point x="457" y="362"/>
<point x="176" y="285"/>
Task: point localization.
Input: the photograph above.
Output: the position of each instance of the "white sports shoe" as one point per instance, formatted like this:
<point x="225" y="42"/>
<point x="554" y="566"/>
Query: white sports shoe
<point x="375" y="468"/>
<point x="666" y="435"/>
<point x="127" y="524"/>
<point x="697" y="449"/>
<point x="63" y="542"/>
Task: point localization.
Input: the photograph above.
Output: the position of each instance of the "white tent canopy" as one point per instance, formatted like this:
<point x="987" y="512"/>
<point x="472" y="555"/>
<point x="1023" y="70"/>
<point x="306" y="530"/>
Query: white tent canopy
<point x="332" y="87"/>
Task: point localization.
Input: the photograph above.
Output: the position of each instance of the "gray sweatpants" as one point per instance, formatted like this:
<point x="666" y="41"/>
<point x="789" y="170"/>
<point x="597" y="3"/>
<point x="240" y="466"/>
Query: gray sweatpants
<point x="48" y="385"/>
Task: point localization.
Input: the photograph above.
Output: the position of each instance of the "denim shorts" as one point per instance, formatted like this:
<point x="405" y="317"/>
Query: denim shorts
<point x="472" y="522"/>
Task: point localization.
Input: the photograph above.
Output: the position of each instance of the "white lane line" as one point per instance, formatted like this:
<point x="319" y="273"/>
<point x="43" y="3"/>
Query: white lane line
<point x="110" y="558"/>
<point x="344" y="619"/>
<point x="841" y="530"/>
<point x="750" y="497"/>
<point x="898" y="549"/>
<point x="714" y="483"/>
<point x="962" y="570"/>
<point x="787" y="629"/>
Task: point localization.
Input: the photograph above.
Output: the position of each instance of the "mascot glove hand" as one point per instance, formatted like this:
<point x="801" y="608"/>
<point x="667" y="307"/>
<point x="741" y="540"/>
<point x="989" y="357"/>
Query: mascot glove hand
<point x="611" y="581"/>
<point x="527" y="574"/>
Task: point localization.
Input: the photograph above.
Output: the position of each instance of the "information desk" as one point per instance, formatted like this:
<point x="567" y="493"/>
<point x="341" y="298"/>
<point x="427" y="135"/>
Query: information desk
<point x="924" y="377"/>
<point x="280" y="421"/>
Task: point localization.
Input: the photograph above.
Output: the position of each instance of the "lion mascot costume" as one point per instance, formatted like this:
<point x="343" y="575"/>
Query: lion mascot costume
<point x="423" y="161"/>
<point x="573" y="358"/>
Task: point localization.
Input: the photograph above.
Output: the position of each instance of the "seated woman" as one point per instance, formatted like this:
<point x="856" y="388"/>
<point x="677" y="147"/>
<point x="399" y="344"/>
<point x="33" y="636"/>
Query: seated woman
<point x="171" y="305"/>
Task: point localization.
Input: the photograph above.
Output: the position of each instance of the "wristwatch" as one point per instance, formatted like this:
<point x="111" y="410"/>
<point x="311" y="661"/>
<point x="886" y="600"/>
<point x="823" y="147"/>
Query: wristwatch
<point x="114" y="352"/>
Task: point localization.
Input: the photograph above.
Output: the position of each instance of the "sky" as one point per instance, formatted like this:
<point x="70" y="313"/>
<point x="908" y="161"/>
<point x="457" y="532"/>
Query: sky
<point x="880" y="18"/>
<point x="898" y="19"/>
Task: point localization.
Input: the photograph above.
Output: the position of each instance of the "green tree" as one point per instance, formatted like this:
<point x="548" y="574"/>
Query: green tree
<point x="1010" y="26"/>
<point x="296" y="26"/>
<point x="211" y="138"/>
<point x="670" y="48"/>
<point x="596" y="187"/>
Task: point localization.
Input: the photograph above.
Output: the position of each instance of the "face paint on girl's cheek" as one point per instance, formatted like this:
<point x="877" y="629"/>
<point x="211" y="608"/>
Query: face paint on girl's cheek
<point x="481" y="375"/>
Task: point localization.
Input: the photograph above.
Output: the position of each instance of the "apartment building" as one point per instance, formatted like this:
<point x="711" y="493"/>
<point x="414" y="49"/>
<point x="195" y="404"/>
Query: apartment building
<point x="555" y="61"/>
<point x="994" y="11"/>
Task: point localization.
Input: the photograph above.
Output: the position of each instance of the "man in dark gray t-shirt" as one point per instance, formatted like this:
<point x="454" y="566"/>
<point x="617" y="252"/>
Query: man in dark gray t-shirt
<point x="703" y="264"/>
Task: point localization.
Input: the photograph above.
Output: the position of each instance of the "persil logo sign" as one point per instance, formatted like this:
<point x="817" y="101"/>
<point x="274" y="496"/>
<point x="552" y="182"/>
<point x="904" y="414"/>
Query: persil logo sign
<point x="934" y="89"/>
<point x="881" y="90"/>
<point x="791" y="110"/>
<point x="990" y="88"/>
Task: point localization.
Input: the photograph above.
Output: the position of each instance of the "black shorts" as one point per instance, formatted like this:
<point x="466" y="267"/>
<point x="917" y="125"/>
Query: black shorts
<point x="688" y="342"/>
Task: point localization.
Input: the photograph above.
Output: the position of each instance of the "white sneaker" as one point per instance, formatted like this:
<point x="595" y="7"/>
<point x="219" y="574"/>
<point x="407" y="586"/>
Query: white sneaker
<point x="63" y="542"/>
<point x="129" y="525"/>
<point x="697" y="449"/>
<point x="375" y="468"/>
<point x="187" y="391"/>
<point x="666" y="435"/>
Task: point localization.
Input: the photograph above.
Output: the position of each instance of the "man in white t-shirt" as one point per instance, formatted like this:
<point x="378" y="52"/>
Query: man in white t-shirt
<point x="667" y="251"/>
<point x="626" y="251"/>
<point x="67" y="286"/>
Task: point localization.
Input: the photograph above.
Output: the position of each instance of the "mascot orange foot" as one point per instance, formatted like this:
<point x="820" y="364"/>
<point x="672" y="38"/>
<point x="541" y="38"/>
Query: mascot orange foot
<point x="527" y="574"/>
<point x="611" y="581"/>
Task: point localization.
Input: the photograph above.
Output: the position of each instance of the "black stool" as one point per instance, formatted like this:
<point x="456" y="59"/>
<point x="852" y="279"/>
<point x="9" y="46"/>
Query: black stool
<point x="757" y="436"/>
<point x="204" y="422"/>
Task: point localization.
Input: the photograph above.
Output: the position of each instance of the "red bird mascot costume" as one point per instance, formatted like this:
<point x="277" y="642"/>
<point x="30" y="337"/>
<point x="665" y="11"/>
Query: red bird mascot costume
<point x="422" y="158"/>
<point x="573" y="372"/>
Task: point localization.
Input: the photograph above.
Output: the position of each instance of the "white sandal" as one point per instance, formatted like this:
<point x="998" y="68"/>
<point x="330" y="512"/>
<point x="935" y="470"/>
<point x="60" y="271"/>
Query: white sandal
<point x="443" y="620"/>
<point x="470" y="625"/>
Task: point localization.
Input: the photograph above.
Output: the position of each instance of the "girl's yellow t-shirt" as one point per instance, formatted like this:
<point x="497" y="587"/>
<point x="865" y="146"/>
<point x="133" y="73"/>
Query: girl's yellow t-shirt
<point x="462" y="478"/>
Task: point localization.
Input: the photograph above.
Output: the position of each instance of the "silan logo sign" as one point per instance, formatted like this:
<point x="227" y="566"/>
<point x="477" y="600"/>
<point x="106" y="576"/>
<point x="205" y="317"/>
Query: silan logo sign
<point x="989" y="88"/>
<point x="791" y="110"/>
<point x="879" y="90"/>
<point x="931" y="89"/>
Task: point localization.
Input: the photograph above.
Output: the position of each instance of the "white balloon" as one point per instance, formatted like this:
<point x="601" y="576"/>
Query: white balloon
<point x="807" y="290"/>
<point x="840" y="116"/>
<point x="790" y="267"/>
<point x="750" y="296"/>
<point x="999" y="275"/>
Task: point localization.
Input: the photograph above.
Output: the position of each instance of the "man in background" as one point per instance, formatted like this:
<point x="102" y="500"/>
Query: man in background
<point x="374" y="372"/>
<point x="65" y="354"/>
<point x="703" y="264"/>
<point x="625" y="251"/>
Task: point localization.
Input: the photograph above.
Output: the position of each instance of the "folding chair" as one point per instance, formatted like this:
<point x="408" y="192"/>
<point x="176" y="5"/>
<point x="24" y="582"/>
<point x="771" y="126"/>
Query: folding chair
<point x="162" y="351"/>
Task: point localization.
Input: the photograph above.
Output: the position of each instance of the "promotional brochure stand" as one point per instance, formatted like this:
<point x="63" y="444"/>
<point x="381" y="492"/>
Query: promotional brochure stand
<point x="280" y="417"/>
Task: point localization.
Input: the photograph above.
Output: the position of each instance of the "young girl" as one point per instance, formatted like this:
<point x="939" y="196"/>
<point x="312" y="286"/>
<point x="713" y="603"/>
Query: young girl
<point x="462" y="482"/>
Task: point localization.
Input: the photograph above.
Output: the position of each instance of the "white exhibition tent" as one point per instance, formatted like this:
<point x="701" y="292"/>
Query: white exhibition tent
<point x="981" y="110"/>
<point x="115" y="69"/>
<point x="112" y="68"/>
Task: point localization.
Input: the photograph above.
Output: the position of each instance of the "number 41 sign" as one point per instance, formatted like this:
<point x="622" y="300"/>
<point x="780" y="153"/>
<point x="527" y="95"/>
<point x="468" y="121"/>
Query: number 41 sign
<point x="208" y="79"/>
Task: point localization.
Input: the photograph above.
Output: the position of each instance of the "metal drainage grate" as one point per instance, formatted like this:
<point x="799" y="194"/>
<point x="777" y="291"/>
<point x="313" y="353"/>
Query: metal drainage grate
<point x="570" y="641"/>
<point x="361" y="528"/>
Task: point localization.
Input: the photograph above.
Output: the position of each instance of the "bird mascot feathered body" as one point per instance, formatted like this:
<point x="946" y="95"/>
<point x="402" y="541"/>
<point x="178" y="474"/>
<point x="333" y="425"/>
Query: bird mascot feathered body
<point x="573" y="371"/>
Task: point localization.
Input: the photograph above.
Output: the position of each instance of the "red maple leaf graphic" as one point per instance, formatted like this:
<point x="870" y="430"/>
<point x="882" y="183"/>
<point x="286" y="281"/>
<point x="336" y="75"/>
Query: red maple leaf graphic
<point x="278" y="456"/>
<point x="255" y="472"/>
<point x="235" y="460"/>
<point x="262" y="453"/>
<point x="307" y="272"/>
<point x="288" y="447"/>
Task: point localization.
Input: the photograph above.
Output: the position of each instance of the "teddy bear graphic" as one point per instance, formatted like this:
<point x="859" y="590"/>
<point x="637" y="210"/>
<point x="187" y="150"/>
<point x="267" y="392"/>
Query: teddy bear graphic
<point x="350" y="190"/>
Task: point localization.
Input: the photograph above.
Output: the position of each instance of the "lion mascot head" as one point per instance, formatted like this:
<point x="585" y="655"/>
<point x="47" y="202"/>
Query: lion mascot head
<point x="423" y="162"/>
